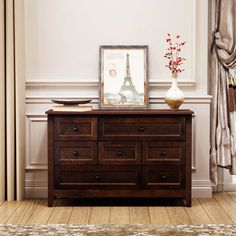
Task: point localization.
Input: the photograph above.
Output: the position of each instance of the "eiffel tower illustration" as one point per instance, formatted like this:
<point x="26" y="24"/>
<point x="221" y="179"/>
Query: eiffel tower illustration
<point x="128" y="84"/>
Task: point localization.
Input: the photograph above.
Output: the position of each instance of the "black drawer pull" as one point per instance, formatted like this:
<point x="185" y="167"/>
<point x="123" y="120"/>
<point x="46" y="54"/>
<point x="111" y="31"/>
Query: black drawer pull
<point x="163" y="153"/>
<point x="141" y="129"/>
<point x="75" y="153"/>
<point x="76" y="129"/>
<point x="119" y="153"/>
<point x="163" y="178"/>
<point x="98" y="177"/>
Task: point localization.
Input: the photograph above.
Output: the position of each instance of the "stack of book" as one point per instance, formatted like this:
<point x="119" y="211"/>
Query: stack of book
<point x="72" y="108"/>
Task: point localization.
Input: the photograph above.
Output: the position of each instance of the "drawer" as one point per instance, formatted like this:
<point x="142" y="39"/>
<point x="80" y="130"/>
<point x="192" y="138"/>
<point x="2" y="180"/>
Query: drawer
<point x="119" y="153"/>
<point x="163" y="153"/>
<point x="89" y="177"/>
<point x="163" y="177"/>
<point x="142" y="129"/>
<point x="75" y="153"/>
<point x="75" y="129"/>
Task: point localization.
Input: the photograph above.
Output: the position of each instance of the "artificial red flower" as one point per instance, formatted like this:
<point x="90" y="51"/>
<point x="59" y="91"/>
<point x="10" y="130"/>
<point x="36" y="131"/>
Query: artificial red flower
<point x="173" y="55"/>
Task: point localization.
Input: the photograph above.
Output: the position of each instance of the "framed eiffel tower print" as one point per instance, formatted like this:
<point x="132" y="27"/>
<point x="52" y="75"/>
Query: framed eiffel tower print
<point x="124" y="77"/>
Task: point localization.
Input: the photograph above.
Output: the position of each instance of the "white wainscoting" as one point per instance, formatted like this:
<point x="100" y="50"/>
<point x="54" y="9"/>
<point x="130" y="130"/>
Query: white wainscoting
<point x="36" y="183"/>
<point x="36" y="142"/>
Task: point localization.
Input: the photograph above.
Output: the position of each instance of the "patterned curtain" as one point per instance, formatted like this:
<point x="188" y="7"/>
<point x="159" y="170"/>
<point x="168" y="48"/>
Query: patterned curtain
<point x="223" y="88"/>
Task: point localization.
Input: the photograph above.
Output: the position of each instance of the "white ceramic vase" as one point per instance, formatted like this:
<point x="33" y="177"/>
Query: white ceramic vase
<point x="174" y="96"/>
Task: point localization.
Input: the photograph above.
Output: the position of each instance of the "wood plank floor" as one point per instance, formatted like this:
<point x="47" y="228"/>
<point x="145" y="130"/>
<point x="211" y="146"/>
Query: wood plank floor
<point x="221" y="209"/>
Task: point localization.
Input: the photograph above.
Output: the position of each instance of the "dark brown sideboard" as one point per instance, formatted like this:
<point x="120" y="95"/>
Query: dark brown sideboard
<point x="119" y="153"/>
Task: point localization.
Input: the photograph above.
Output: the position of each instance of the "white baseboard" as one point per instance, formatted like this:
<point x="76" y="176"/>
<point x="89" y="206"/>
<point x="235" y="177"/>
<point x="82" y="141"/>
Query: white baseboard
<point x="201" y="189"/>
<point x="230" y="187"/>
<point x="201" y="192"/>
<point x="36" y="192"/>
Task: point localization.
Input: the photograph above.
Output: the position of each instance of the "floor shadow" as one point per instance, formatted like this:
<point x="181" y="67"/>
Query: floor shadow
<point x="120" y="202"/>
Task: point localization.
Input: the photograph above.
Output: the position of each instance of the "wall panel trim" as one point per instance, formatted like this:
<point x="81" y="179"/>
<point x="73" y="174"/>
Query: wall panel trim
<point x="95" y="83"/>
<point x="30" y="164"/>
<point x="95" y="100"/>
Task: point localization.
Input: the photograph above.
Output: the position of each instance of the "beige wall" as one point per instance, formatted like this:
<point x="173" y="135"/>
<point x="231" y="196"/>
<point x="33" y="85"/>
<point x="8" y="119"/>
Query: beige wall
<point x="62" y="39"/>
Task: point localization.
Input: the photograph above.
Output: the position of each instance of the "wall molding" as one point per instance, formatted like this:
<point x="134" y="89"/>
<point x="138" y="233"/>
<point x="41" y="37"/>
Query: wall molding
<point x="201" y="189"/>
<point x="36" y="183"/>
<point x="202" y="192"/>
<point x="30" y="164"/>
<point x="229" y="187"/>
<point x="30" y="99"/>
<point x="188" y="99"/>
<point x="35" y="115"/>
<point x="36" y="192"/>
<point x="201" y="183"/>
<point x="60" y="83"/>
<point x="95" y="83"/>
<point x="225" y="181"/>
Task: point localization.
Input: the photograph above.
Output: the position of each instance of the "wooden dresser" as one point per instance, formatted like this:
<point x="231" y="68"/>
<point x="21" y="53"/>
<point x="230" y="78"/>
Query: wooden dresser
<point x="117" y="153"/>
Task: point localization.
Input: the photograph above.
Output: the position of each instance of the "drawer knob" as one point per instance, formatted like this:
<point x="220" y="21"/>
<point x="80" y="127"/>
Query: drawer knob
<point x="98" y="177"/>
<point x="75" y="153"/>
<point x="163" y="153"/>
<point x="163" y="178"/>
<point x="141" y="129"/>
<point x="76" y="129"/>
<point x="119" y="153"/>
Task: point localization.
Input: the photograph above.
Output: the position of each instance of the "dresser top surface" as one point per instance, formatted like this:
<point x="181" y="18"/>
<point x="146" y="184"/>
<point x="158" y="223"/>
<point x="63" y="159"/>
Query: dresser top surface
<point x="124" y="112"/>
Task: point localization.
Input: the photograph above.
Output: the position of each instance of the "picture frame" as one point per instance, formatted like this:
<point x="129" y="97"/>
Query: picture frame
<point x="123" y="77"/>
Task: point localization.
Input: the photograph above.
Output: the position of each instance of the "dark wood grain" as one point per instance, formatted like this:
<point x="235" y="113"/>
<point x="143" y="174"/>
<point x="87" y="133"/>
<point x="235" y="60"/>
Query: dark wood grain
<point x="114" y="153"/>
<point x="163" y="153"/>
<point x="119" y="153"/>
<point x="144" y="112"/>
<point x="50" y="161"/>
<point x="85" y="193"/>
<point x="75" y="129"/>
<point x="163" y="177"/>
<point x="143" y="129"/>
<point x="75" y="153"/>
<point x="100" y="177"/>
<point x="188" y="166"/>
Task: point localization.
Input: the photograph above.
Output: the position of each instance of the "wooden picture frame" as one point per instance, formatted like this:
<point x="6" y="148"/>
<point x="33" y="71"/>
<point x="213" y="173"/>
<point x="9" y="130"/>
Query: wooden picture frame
<point x="123" y="77"/>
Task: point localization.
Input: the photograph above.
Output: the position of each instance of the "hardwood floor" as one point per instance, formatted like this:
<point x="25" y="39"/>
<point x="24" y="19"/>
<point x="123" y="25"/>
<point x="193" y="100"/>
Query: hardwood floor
<point x="221" y="209"/>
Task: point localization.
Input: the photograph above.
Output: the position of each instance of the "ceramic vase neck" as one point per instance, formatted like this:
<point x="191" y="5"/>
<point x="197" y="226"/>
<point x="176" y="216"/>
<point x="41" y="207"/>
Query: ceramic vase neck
<point x="174" y="75"/>
<point x="174" y="82"/>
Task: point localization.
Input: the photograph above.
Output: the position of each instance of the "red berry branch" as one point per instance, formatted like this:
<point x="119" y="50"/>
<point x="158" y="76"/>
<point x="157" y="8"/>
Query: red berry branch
<point x="173" y="55"/>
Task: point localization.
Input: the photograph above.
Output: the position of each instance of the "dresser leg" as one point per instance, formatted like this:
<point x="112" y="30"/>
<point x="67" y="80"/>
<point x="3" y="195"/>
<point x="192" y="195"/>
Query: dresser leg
<point x="50" y="201"/>
<point x="188" y="201"/>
